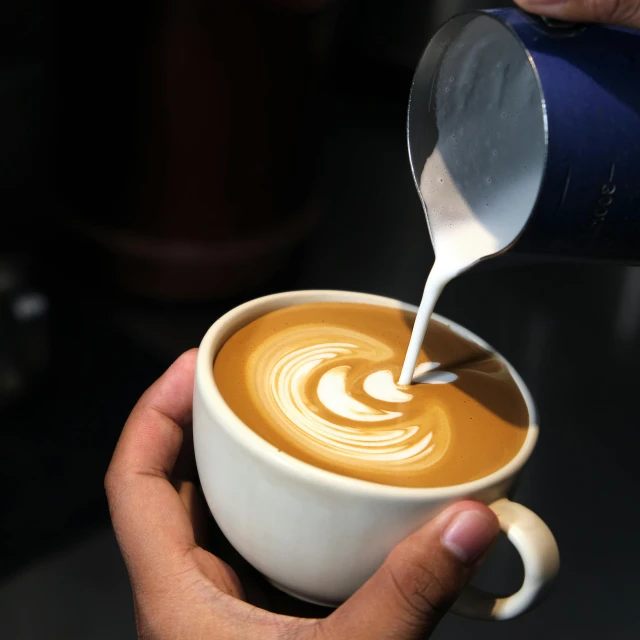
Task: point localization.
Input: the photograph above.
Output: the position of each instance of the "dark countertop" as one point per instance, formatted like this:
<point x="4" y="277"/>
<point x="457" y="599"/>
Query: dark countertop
<point x="573" y="331"/>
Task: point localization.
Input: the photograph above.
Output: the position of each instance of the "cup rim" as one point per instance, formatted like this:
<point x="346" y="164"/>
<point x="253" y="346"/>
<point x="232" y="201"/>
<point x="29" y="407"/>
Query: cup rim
<point x="216" y="406"/>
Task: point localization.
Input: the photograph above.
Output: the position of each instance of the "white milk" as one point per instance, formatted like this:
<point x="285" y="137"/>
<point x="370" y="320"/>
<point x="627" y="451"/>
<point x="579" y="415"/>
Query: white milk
<point x="481" y="182"/>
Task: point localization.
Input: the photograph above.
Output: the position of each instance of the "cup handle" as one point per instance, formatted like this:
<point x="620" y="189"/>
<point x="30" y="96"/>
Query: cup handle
<point x="541" y="559"/>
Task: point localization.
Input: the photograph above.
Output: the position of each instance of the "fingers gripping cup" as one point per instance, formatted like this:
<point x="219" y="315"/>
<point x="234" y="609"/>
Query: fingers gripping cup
<point x="315" y="464"/>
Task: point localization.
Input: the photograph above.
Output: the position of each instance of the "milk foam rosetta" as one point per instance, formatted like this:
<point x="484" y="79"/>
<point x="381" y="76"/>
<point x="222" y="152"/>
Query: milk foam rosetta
<point x="319" y="382"/>
<point x="333" y="391"/>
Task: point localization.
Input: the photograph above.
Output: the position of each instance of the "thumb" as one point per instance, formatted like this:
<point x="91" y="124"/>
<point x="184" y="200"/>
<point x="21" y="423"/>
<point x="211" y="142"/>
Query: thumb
<point x="420" y="579"/>
<point x="620" y="12"/>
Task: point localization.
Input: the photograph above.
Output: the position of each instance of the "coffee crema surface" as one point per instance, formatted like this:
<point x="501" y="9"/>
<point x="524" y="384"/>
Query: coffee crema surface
<point x="318" y="381"/>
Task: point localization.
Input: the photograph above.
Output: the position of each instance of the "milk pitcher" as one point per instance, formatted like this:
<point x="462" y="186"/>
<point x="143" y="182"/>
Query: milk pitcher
<point x="582" y="149"/>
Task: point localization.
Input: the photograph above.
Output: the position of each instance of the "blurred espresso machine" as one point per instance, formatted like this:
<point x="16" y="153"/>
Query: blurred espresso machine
<point x="187" y="140"/>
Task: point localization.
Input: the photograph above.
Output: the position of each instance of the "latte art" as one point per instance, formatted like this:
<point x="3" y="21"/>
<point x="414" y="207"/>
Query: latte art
<point x="318" y="381"/>
<point x="316" y="390"/>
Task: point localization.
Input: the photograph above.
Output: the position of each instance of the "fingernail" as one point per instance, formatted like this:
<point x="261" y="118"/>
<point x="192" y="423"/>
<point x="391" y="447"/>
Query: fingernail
<point x="469" y="535"/>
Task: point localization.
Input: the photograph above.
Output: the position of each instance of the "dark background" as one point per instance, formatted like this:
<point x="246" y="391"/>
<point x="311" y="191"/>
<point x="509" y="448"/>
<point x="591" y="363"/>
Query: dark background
<point x="78" y="344"/>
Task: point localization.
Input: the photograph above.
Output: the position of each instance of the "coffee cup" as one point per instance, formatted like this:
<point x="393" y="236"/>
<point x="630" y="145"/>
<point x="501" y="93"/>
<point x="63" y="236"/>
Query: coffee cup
<point x="318" y="535"/>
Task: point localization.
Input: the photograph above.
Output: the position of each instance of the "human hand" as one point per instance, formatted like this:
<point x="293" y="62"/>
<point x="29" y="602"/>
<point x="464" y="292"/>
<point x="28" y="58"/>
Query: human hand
<point x="619" y="12"/>
<point x="180" y="590"/>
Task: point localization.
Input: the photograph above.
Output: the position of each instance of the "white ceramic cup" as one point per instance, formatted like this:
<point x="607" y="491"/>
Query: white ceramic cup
<point x="318" y="535"/>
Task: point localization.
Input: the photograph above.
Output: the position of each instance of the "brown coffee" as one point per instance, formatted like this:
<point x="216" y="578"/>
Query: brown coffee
<point x="318" y="381"/>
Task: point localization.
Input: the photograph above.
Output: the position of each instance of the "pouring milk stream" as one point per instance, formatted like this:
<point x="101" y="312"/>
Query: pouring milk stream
<point x="480" y="183"/>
